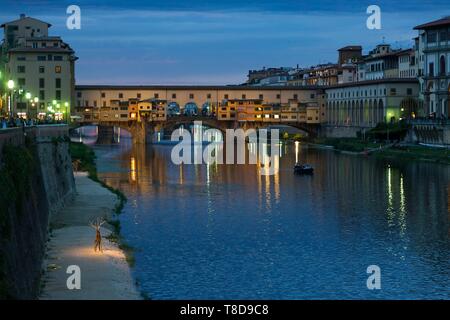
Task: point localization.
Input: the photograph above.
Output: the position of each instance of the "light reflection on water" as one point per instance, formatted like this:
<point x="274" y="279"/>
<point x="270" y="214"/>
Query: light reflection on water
<point x="227" y="232"/>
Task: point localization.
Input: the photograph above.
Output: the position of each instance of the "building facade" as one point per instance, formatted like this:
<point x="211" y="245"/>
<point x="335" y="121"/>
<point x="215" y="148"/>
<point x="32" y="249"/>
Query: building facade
<point x="94" y="102"/>
<point x="40" y="68"/>
<point x="434" y="50"/>
<point x="365" y="104"/>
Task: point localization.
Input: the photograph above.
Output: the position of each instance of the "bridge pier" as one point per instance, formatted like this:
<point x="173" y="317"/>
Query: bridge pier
<point x="105" y="135"/>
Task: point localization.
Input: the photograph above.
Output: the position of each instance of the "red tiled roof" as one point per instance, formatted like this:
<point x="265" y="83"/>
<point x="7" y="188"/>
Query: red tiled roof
<point x="438" y="23"/>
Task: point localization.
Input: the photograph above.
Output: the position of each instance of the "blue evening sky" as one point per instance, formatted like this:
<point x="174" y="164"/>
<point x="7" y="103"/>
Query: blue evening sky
<point x="217" y="42"/>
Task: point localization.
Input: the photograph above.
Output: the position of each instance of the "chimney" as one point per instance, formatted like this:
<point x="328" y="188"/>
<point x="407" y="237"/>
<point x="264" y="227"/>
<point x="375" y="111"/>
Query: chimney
<point x="22" y="15"/>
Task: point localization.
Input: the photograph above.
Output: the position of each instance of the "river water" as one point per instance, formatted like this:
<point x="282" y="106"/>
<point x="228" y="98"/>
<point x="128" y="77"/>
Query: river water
<point x="227" y="232"/>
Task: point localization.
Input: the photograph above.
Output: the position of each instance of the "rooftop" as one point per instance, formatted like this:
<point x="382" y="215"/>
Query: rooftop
<point x="356" y="48"/>
<point x="23" y="18"/>
<point x="192" y="87"/>
<point x="434" y="24"/>
<point x="371" y="82"/>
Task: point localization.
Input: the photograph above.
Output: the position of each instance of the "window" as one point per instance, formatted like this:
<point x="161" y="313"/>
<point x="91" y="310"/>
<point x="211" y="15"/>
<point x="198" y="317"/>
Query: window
<point x="58" y="69"/>
<point x="295" y="96"/>
<point x="95" y="103"/>
<point x="103" y="95"/>
<point x="278" y="96"/>
<point x="313" y="95"/>
<point x="58" y="83"/>
<point x="79" y="94"/>
<point x="409" y="91"/>
<point x="21" y="82"/>
<point x="431" y="69"/>
<point x="21" y="105"/>
<point x="225" y="97"/>
<point x="41" y="58"/>
<point x="58" y="94"/>
<point x="138" y="96"/>
<point x="41" y="69"/>
<point x="208" y="96"/>
<point x="104" y="103"/>
<point x="41" y="83"/>
<point x="120" y="95"/>
<point x="41" y="95"/>
<point x="21" y="58"/>
<point x="191" y="96"/>
<point x="393" y="91"/>
<point x="174" y="95"/>
<point x="156" y="95"/>
<point x="44" y="44"/>
<point x="431" y="37"/>
<point x="58" y="58"/>
<point x="442" y="70"/>
<point x="49" y="57"/>
<point x="20" y="69"/>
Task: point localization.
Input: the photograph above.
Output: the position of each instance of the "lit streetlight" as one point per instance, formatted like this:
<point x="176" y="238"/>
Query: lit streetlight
<point x="10" y="84"/>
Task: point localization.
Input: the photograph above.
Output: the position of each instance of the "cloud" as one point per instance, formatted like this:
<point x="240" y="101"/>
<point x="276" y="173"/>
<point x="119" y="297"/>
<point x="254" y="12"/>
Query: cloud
<point x="218" y="41"/>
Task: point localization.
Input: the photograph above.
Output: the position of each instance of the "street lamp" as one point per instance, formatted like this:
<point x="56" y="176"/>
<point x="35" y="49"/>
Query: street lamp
<point x="10" y="86"/>
<point x="28" y="99"/>
<point x="66" y="104"/>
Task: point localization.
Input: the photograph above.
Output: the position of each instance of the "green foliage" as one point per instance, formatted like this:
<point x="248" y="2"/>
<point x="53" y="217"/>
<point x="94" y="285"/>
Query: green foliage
<point x="347" y="144"/>
<point x="388" y="131"/>
<point x="85" y="156"/>
<point x="421" y="153"/>
<point x="86" y="159"/>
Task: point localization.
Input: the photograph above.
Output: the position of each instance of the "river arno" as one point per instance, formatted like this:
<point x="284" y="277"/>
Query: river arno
<point x="226" y="232"/>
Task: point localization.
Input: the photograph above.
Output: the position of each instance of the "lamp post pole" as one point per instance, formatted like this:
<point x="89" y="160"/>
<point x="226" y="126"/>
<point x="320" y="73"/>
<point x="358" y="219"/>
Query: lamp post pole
<point x="10" y="85"/>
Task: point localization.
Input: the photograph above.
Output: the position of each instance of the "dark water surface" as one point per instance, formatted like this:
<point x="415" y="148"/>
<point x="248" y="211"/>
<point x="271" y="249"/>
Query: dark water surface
<point x="226" y="232"/>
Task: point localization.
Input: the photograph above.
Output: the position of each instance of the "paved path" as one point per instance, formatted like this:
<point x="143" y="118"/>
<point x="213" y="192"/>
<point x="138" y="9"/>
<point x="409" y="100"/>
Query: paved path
<point x="103" y="275"/>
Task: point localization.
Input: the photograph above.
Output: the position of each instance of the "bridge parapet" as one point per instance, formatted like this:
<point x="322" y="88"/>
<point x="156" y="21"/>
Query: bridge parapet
<point x="16" y="136"/>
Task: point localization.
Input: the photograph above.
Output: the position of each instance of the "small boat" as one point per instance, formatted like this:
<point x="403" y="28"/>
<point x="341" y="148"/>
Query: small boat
<point x="303" y="169"/>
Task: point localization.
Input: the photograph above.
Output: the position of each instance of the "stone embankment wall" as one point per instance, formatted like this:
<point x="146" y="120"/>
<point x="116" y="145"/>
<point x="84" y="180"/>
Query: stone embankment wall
<point x="36" y="180"/>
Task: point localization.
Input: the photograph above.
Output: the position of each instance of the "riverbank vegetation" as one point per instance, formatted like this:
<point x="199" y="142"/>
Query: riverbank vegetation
<point x="416" y="152"/>
<point x="84" y="159"/>
<point x="348" y="144"/>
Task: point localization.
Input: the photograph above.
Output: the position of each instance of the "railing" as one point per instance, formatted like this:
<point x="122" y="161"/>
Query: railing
<point x="442" y="122"/>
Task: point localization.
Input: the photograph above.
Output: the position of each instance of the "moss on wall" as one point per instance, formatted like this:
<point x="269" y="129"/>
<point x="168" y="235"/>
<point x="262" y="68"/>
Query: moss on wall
<point x="16" y="169"/>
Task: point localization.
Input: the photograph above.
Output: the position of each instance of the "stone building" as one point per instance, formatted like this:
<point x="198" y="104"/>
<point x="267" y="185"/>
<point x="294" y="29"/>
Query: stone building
<point x="40" y="69"/>
<point x="434" y="50"/>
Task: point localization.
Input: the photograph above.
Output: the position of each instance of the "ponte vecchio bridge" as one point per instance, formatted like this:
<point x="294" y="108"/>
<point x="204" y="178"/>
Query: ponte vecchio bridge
<point x="149" y="111"/>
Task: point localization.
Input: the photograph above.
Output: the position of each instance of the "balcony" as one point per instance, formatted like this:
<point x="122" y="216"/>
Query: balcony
<point x="444" y="47"/>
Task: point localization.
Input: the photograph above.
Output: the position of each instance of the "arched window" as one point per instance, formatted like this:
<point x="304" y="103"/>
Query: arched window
<point x="442" y="70"/>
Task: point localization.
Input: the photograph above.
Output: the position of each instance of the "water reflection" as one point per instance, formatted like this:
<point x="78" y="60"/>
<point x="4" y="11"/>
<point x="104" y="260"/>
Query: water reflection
<point x="226" y="231"/>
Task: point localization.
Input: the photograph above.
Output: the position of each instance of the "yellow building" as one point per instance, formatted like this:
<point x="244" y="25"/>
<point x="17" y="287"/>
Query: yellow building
<point x="152" y="110"/>
<point x="241" y="110"/>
